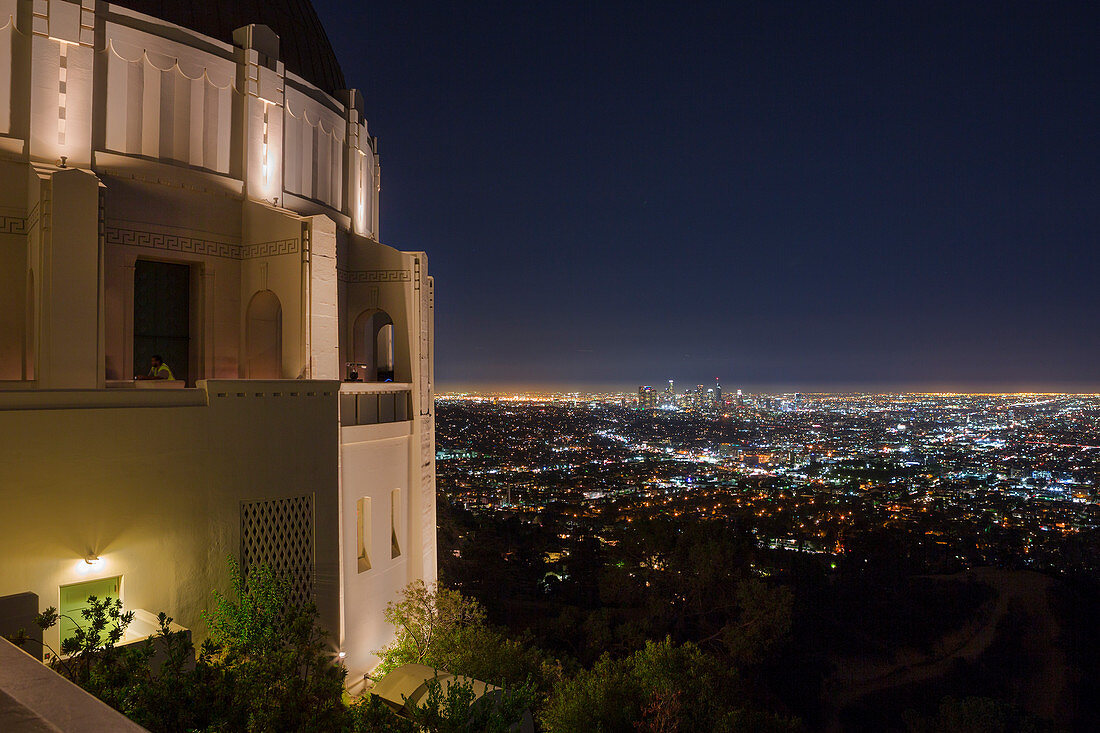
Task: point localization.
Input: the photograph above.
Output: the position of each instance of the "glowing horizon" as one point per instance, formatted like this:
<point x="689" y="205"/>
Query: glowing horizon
<point x="506" y="389"/>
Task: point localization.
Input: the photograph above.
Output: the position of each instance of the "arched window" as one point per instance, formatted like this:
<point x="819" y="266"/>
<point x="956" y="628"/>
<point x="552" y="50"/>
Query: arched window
<point x="372" y="347"/>
<point x="264" y="337"/>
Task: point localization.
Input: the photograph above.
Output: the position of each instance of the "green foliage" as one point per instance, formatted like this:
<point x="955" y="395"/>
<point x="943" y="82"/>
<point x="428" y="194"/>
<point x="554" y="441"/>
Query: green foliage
<point x="487" y="654"/>
<point x="424" y="618"/>
<point x="154" y="683"/>
<point x="445" y="630"/>
<point x="661" y="687"/>
<point x="282" y="674"/>
<point x="123" y="676"/>
<point x="168" y="699"/>
<point x="456" y="710"/>
<point x="103" y="624"/>
<point x="265" y="667"/>
<point x="370" y="715"/>
<point x="445" y="711"/>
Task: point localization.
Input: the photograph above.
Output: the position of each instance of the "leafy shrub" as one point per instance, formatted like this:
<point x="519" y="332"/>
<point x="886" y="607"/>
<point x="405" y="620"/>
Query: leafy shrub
<point x="265" y="667"/>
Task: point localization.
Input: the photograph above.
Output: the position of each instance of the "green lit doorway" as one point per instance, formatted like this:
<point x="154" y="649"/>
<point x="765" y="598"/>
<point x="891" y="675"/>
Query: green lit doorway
<point x="74" y="599"/>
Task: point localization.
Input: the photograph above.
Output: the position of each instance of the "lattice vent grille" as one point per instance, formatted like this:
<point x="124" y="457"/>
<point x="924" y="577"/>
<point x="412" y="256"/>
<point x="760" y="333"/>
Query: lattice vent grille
<point x="279" y="533"/>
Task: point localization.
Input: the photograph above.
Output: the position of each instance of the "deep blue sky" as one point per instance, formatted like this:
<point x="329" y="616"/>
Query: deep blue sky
<point x="807" y="195"/>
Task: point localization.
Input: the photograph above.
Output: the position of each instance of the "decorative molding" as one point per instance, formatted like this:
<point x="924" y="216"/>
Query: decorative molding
<point x="270" y="249"/>
<point x="199" y="246"/>
<point x="375" y="276"/>
<point x="172" y="242"/>
<point x="13" y="225"/>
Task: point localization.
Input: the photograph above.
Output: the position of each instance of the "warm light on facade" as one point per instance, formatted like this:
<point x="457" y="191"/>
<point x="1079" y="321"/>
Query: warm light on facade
<point x="89" y="564"/>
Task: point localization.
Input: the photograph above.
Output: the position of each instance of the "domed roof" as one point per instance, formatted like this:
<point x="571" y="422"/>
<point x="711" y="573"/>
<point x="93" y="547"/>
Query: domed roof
<point x="303" y="45"/>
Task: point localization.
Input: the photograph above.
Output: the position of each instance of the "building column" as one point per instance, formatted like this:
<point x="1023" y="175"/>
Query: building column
<point x="319" y="254"/>
<point x="260" y="82"/>
<point x="71" y="290"/>
<point x="62" y="59"/>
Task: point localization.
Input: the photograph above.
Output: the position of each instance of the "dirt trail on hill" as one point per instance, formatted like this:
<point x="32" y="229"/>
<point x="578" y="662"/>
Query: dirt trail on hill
<point x="1045" y="689"/>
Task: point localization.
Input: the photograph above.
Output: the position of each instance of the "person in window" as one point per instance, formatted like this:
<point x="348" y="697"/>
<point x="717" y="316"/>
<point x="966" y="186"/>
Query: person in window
<point x="158" y="369"/>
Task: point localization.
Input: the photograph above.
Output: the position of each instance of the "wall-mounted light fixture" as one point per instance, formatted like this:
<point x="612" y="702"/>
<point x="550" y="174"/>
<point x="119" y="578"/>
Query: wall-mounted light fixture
<point x="93" y="560"/>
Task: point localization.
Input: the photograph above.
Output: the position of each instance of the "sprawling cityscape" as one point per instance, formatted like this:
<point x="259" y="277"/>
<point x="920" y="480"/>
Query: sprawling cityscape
<point x="916" y="562"/>
<point x="968" y="480"/>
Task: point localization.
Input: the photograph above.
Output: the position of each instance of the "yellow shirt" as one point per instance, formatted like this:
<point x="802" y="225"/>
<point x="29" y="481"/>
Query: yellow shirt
<point x="161" y="372"/>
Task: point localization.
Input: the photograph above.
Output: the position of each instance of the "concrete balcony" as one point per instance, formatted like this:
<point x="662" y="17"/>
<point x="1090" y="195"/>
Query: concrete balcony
<point x="374" y="403"/>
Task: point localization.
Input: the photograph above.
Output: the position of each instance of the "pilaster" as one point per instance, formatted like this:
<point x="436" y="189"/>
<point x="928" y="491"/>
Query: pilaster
<point x="260" y="80"/>
<point x="71" y="291"/>
<point x="62" y="56"/>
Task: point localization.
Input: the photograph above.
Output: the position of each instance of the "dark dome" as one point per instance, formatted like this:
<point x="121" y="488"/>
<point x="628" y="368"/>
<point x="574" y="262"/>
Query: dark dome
<point x="303" y="45"/>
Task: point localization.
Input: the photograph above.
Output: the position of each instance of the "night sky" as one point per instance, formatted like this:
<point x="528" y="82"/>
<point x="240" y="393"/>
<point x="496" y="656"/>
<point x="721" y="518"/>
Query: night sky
<point x="784" y="195"/>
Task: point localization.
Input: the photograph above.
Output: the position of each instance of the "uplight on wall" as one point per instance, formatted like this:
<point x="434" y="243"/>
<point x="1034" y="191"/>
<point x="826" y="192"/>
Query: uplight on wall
<point x="361" y="218"/>
<point x="89" y="564"/>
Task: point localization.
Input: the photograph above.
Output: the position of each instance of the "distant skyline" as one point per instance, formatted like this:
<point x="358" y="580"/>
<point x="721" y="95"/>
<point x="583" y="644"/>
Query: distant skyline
<point x="786" y="195"/>
<point x="774" y="389"/>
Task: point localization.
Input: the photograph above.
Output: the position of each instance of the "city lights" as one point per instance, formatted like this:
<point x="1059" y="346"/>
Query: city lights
<point x="948" y="470"/>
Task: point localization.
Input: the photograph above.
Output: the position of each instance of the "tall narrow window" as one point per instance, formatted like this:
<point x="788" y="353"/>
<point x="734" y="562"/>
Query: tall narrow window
<point x="162" y="316"/>
<point x="395" y="523"/>
<point x="362" y="533"/>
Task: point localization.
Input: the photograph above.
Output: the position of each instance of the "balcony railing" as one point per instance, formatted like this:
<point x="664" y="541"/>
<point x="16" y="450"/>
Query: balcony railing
<point x="374" y="403"/>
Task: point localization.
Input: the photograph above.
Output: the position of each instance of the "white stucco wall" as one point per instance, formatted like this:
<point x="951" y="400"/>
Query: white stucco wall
<point x="155" y="491"/>
<point x="373" y="463"/>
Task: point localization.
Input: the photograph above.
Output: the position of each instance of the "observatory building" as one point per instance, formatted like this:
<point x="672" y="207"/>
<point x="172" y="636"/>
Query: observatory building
<point x="196" y="181"/>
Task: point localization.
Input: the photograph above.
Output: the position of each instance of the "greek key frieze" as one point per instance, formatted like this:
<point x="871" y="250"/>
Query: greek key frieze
<point x="13" y="225"/>
<point x="172" y="242"/>
<point x="376" y="276"/>
<point x="197" y="245"/>
<point x="270" y="249"/>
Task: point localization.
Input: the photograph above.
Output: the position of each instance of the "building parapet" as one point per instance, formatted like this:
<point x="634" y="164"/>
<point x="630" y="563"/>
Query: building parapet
<point x="201" y="396"/>
<point x="373" y="403"/>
